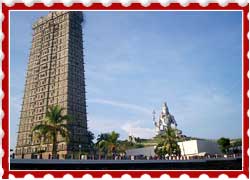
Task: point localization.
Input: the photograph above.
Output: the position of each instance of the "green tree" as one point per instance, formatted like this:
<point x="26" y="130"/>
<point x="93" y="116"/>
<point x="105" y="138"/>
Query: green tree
<point x="90" y="146"/>
<point x="101" y="144"/>
<point x="107" y="143"/>
<point x="53" y="125"/>
<point x="90" y="137"/>
<point x="168" y="143"/>
<point x="102" y="136"/>
<point x="103" y="148"/>
<point x="224" y="144"/>
<point x="121" y="147"/>
<point x="113" y="142"/>
<point x="159" y="150"/>
<point x="237" y="142"/>
<point x="235" y="145"/>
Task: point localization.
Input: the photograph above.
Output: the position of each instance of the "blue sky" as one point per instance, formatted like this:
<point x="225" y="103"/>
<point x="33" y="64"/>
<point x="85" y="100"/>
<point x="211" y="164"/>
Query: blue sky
<point x="135" y="61"/>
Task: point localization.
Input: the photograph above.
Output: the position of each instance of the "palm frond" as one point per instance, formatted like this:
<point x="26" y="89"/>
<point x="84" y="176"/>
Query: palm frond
<point x="37" y="136"/>
<point x="53" y="115"/>
<point x="43" y="128"/>
<point x="64" y="133"/>
<point x="53" y="126"/>
<point x="67" y="118"/>
<point x="43" y="131"/>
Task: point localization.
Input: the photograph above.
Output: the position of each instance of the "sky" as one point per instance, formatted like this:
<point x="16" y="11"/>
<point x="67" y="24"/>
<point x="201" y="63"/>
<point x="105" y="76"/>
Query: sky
<point x="136" y="61"/>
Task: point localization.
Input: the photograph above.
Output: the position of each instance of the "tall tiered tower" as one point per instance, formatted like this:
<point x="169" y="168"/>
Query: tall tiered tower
<point x="55" y="76"/>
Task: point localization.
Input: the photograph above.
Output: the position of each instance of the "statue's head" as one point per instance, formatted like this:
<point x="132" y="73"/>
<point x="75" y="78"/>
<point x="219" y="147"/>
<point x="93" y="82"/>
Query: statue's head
<point x="164" y="108"/>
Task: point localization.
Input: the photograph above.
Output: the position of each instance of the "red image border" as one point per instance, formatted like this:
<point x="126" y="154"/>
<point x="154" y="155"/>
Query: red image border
<point x="119" y="173"/>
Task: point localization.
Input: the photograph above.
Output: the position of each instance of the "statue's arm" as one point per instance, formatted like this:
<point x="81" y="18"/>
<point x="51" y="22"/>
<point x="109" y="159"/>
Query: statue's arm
<point x="173" y="120"/>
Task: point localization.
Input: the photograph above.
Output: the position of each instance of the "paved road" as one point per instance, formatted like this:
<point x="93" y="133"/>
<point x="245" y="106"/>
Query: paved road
<point x="72" y="161"/>
<point x="32" y="164"/>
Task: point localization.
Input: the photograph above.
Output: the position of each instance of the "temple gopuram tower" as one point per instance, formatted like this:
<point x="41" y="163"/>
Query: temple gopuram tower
<point x="55" y="76"/>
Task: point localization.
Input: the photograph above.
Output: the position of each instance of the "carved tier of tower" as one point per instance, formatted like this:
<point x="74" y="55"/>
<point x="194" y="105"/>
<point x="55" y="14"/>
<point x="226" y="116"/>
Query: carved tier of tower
<point x="55" y="76"/>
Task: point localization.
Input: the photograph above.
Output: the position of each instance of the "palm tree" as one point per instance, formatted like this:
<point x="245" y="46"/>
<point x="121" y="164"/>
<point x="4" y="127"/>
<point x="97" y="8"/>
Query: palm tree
<point x="102" y="136"/>
<point x="168" y="143"/>
<point x="90" y="137"/>
<point x="100" y="145"/>
<point x="107" y="143"/>
<point x="121" y="148"/>
<point x="52" y="126"/>
<point x="89" y="148"/>
<point x="112" y="142"/>
<point x="103" y="148"/>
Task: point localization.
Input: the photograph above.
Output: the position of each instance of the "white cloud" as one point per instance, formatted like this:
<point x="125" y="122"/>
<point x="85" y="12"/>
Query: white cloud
<point x="122" y="105"/>
<point x="102" y="125"/>
<point x="130" y="127"/>
<point x="136" y="129"/>
<point x="124" y="127"/>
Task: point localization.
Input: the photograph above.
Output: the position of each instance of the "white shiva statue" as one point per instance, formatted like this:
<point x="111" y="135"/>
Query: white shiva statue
<point x="165" y="120"/>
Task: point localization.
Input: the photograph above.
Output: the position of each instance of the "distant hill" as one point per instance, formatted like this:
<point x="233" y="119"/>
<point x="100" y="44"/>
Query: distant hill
<point x="154" y="141"/>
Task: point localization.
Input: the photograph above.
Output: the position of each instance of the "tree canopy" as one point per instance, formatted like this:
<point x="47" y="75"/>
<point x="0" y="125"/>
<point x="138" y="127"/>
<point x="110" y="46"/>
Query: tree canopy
<point x="168" y="143"/>
<point x="224" y="144"/>
<point x="53" y="125"/>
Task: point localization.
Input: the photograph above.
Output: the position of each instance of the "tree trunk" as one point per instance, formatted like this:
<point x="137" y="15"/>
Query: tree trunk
<point x="54" y="148"/>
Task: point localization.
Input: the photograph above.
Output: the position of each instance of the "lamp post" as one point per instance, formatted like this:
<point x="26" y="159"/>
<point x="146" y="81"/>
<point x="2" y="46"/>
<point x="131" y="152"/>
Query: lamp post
<point x="80" y="146"/>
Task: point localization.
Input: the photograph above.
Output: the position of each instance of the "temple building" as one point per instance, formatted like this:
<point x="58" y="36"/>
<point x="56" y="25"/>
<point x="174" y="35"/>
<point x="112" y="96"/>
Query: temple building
<point x="55" y="76"/>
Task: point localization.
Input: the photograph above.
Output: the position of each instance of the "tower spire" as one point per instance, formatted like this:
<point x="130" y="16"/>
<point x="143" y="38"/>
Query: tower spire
<point x="56" y="60"/>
